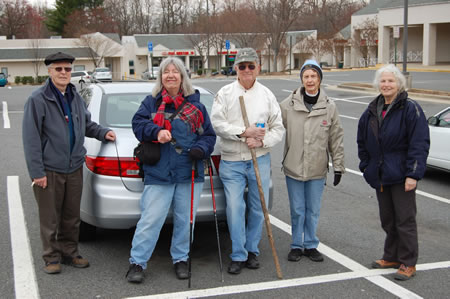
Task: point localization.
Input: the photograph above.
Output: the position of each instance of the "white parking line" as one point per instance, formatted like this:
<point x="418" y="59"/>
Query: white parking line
<point x="358" y="271"/>
<point x="423" y="193"/>
<point x="350" y="117"/>
<point x="6" y="123"/>
<point x="25" y="284"/>
<point x="350" y="101"/>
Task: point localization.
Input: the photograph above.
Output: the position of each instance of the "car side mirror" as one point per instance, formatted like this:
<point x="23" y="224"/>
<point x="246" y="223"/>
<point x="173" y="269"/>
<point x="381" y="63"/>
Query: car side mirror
<point x="433" y="121"/>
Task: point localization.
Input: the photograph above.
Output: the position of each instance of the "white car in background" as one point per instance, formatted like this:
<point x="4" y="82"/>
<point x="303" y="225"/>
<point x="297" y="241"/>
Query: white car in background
<point x="439" y="156"/>
<point x="80" y="77"/>
<point x="102" y="74"/>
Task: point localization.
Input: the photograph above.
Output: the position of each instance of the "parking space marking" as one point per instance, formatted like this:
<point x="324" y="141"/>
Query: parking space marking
<point x="25" y="284"/>
<point x="6" y="123"/>
<point x="350" y="101"/>
<point x="423" y="193"/>
<point x="350" y="117"/>
<point x="345" y="261"/>
<point x="358" y="271"/>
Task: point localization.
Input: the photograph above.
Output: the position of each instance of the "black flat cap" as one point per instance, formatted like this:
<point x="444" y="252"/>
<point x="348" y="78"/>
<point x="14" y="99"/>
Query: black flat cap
<point x="58" y="57"/>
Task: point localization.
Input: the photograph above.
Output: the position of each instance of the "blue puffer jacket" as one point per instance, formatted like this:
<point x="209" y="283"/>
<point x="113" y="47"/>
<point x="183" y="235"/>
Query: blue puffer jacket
<point x="175" y="165"/>
<point x="398" y="147"/>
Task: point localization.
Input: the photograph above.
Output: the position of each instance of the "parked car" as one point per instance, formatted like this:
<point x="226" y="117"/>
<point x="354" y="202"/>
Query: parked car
<point x="3" y="79"/>
<point x="112" y="188"/>
<point x="439" y="155"/>
<point x="102" y="74"/>
<point x="146" y="75"/>
<point x="80" y="77"/>
<point x="231" y="71"/>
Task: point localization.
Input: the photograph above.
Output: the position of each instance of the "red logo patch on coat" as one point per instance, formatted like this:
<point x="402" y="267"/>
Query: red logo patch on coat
<point x="324" y="122"/>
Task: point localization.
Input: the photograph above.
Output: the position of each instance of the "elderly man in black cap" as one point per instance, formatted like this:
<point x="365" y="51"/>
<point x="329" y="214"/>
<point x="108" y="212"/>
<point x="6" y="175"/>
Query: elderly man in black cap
<point x="55" y="122"/>
<point x="245" y="216"/>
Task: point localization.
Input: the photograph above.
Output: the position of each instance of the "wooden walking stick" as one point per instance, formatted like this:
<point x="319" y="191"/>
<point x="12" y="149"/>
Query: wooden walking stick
<point x="261" y="194"/>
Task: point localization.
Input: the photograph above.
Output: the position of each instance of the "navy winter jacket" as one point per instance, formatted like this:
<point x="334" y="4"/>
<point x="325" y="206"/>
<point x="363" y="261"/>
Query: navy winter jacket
<point x="396" y="147"/>
<point x="175" y="165"/>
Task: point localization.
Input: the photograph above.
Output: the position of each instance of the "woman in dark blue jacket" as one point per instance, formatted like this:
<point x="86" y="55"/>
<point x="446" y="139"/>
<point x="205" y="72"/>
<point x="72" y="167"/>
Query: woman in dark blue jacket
<point x="393" y="143"/>
<point x="184" y="141"/>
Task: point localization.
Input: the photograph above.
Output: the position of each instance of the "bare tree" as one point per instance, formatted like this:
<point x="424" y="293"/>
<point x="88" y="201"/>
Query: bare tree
<point x="276" y="19"/>
<point x="198" y="42"/>
<point x="13" y="20"/>
<point x="36" y="46"/>
<point x="174" y="14"/>
<point x="365" y="37"/>
<point x="99" y="47"/>
<point x="317" y="47"/>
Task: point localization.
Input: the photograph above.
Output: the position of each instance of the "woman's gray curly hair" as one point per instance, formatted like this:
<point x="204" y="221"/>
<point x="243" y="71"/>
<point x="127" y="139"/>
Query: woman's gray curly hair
<point x="390" y="68"/>
<point x="186" y="84"/>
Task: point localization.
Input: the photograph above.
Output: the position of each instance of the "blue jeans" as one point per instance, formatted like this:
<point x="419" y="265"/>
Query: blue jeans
<point x="155" y="203"/>
<point x="304" y="201"/>
<point x="235" y="175"/>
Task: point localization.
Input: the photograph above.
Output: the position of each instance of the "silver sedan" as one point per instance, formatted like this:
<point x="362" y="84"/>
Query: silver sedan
<point x="112" y="187"/>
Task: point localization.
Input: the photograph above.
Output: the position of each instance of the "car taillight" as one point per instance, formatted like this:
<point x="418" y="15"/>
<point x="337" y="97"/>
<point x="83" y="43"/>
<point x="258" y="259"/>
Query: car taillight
<point x="110" y="166"/>
<point x="216" y="161"/>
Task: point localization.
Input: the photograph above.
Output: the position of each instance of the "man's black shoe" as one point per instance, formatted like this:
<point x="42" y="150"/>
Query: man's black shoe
<point x="235" y="267"/>
<point x="181" y="270"/>
<point x="313" y="254"/>
<point x="252" y="261"/>
<point x="135" y="274"/>
<point x="295" y="255"/>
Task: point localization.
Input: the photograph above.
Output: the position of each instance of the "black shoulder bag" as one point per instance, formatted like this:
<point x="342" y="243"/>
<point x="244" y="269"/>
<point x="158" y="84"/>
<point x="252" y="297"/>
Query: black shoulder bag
<point x="149" y="152"/>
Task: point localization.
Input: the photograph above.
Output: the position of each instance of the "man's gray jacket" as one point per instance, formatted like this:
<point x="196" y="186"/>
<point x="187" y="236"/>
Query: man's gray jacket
<point x="45" y="132"/>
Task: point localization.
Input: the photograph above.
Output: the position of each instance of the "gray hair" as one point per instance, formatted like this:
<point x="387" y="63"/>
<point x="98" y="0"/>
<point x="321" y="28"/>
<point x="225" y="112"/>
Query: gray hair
<point x="186" y="84"/>
<point x="390" y="68"/>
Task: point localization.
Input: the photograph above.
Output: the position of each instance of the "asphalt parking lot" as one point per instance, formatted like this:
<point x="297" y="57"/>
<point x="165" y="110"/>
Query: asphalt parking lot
<point x="349" y="231"/>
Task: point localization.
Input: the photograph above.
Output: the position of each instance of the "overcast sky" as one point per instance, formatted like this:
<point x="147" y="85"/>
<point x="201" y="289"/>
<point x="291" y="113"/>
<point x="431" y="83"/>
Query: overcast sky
<point x="48" y="3"/>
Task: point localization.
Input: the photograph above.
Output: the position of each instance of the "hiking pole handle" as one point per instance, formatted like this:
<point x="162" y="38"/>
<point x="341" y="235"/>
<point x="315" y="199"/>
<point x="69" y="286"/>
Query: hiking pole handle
<point x="261" y="194"/>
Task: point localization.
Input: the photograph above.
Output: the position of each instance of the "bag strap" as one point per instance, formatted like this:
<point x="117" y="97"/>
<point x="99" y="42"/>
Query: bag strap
<point x="178" y="110"/>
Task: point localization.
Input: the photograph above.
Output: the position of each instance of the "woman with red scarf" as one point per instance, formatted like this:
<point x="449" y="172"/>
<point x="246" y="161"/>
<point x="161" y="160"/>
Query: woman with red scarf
<point x="185" y="139"/>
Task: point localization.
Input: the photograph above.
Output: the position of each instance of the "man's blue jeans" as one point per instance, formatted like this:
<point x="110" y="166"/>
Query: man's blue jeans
<point x="235" y="175"/>
<point x="155" y="204"/>
<point x="304" y="199"/>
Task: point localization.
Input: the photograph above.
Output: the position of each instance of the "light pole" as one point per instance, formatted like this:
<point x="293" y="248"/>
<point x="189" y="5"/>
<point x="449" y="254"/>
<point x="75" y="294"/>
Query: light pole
<point x="207" y="32"/>
<point x="405" y="47"/>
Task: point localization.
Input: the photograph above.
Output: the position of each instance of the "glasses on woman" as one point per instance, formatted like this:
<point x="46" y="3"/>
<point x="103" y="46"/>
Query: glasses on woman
<point x="250" y="66"/>
<point x="59" y="69"/>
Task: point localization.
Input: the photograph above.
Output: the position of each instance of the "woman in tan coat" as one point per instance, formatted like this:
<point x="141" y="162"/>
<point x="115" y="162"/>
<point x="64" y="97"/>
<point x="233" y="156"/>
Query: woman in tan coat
<point x="313" y="133"/>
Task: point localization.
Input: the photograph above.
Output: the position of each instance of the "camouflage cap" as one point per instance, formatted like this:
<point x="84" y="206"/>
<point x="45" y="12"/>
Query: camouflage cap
<point x="246" y="55"/>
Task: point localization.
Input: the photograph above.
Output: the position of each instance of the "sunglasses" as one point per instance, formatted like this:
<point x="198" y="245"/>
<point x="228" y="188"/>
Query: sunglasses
<point x="242" y="67"/>
<point x="59" y="69"/>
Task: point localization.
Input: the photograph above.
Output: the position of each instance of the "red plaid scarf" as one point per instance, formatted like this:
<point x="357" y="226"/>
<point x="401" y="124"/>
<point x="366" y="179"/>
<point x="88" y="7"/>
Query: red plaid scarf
<point x="189" y="113"/>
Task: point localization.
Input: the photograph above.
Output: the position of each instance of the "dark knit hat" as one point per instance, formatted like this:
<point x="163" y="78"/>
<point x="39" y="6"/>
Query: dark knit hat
<point x="58" y="57"/>
<point x="311" y="64"/>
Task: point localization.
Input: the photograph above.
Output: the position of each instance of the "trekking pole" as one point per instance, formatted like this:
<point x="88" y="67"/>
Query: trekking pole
<point x="261" y="193"/>
<point x="215" y="217"/>
<point x="191" y="221"/>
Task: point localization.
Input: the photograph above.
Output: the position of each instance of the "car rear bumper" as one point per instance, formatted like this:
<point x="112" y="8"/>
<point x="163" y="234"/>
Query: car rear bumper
<point x="106" y="203"/>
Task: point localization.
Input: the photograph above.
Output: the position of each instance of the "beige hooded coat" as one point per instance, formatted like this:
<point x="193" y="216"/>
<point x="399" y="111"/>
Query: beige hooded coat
<point x="311" y="137"/>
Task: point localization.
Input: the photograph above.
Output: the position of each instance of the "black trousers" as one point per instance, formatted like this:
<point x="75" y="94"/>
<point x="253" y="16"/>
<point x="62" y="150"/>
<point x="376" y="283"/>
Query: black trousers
<point x="398" y="219"/>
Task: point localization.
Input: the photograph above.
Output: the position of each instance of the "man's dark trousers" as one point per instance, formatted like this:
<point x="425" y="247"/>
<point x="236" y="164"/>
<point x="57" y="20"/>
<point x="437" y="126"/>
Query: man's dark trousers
<point x="59" y="214"/>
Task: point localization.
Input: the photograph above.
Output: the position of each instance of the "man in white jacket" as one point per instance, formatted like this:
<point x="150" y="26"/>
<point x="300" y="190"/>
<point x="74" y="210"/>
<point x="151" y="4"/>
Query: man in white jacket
<point x="236" y="166"/>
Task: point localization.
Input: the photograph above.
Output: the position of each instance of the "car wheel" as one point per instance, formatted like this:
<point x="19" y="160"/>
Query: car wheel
<point x="87" y="232"/>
